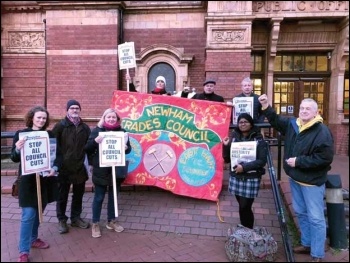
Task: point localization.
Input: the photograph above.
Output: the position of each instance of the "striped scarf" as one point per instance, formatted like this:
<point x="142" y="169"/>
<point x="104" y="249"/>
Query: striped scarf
<point x="75" y="121"/>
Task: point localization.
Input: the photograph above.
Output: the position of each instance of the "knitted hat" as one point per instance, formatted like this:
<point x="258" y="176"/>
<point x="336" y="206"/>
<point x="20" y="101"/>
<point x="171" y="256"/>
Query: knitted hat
<point x="71" y="103"/>
<point x="209" y="81"/>
<point x="247" y="117"/>
<point x="161" y="78"/>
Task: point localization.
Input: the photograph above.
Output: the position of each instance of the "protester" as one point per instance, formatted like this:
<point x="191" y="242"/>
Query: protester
<point x="72" y="134"/>
<point x="132" y="87"/>
<point x="185" y="93"/>
<point x="308" y="154"/>
<point x="247" y="91"/>
<point x="36" y="119"/>
<point x="245" y="178"/>
<point x="160" y="88"/>
<point x="102" y="176"/>
<point x="208" y="92"/>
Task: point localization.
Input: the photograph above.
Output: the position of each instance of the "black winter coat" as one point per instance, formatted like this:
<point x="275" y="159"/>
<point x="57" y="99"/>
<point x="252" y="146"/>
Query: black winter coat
<point x="210" y="97"/>
<point x="72" y="140"/>
<point x="27" y="194"/>
<point x="101" y="175"/>
<point x="313" y="149"/>
<point x="261" y="154"/>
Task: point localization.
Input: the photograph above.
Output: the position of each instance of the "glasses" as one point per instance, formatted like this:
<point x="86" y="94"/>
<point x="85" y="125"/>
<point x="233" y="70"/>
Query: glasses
<point x="243" y="122"/>
<point x="74" y="108"/>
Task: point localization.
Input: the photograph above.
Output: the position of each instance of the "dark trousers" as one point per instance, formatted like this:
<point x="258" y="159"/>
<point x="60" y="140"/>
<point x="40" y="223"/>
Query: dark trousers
<point x="246" y="215"/>
<point x="77" y="200"/>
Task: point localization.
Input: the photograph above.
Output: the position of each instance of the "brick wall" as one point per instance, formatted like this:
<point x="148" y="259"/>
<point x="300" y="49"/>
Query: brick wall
<point x="87" y="77"/>
<point x="341" y="137"/>
<point x="229" y="69"/>
<point x="192" y="40"/>
<point x="23" y="83"/>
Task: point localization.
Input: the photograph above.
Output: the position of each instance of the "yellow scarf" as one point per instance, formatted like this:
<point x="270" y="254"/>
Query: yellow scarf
<point x="303" y="127"/>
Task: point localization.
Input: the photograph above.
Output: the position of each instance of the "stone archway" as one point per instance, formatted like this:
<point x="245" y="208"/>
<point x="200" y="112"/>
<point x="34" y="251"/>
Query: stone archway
<point x="161" y="53"/>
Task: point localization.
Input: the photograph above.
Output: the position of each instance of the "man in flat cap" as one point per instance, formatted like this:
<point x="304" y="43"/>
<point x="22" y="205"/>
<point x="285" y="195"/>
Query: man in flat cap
<point x="208" y="92"/>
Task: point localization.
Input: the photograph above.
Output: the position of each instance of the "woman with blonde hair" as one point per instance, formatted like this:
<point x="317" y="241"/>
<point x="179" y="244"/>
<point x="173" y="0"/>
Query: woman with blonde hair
<point x="102" y="176"/>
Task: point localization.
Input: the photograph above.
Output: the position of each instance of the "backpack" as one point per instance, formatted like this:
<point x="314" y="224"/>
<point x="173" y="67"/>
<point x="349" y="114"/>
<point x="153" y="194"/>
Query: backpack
<point x="250" y="245"/>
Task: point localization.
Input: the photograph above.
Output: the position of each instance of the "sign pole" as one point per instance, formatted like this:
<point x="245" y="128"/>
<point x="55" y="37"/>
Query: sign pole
<point x="115" y="191"/>
<point x="38" y="190"/>
<point x="127" y="81"/>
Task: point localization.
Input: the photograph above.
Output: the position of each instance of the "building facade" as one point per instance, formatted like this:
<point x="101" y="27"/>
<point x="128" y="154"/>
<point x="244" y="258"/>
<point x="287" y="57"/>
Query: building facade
<point x="53" y="51"/>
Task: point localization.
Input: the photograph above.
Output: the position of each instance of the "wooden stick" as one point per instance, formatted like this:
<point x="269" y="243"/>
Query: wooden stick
<point x="38" y="190"/>
<point x="127" y="81"/>
<point x="115" y="194"/>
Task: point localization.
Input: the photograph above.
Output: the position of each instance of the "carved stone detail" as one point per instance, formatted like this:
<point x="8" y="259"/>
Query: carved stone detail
<point x="28" y="40"/>
<point x="232" y="36"/>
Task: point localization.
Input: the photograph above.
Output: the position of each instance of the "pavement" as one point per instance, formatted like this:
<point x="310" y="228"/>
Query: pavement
<point x="159" y="226"/>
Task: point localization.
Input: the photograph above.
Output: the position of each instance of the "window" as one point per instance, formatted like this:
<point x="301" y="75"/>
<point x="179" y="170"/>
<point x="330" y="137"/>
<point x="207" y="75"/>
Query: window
<point x="301" y="63"/>
<point x="257" y="75"/>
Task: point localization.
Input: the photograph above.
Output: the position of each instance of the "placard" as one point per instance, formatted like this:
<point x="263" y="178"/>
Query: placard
<point x="242" y="105"/>
<point x="112" y="149"/>
<point x="126" y="55"/>
<point x="35" y="154"/>
<point x="242" y="152"/>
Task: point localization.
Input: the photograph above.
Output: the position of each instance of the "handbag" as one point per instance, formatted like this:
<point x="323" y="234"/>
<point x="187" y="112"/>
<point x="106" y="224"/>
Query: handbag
<point x="15" y="187"/>
<point x="121" y="172"/>
<point x="250" y="245"/>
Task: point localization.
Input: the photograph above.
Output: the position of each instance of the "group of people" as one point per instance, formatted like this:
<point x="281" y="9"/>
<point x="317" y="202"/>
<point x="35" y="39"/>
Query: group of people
<point x="75" y="143"/>
<point x="308" y="154"/>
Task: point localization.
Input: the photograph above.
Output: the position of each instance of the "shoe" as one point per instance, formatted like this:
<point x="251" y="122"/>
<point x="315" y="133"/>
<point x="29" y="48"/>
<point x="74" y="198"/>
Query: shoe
<point x="80" y="223"/>
<point x="301" y="250"/>
<point x="63" y="227"/>
<point x="113" y="225"/>
<point x="96" y="232"/>
<point x="23" y="257"/>
<point x="40" y="244"/>
<point x="313" y="259"/>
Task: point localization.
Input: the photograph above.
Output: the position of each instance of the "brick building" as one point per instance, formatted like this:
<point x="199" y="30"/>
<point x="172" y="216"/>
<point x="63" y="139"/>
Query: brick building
<point x="52" y="51"/>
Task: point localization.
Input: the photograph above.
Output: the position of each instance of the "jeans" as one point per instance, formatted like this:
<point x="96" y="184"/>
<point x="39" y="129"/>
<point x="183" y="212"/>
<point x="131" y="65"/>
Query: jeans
<point x="28" y="232"/>
<point x="308" y="205"/>
<point x="77" y="201"/>
<point x="100" y="191"/>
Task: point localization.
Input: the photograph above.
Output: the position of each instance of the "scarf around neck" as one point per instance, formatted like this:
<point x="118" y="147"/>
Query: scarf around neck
<point x="75" y="120"/>
<point x="111" y="127"/>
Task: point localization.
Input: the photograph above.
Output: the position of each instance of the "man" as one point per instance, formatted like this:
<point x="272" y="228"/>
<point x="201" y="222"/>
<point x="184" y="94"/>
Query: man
<point x="185" y="93"/>
<point x="72" y="134"/>
<point x="308" y="154"/>
<point x="208" y="92"/>
<point x="247" y="91"/>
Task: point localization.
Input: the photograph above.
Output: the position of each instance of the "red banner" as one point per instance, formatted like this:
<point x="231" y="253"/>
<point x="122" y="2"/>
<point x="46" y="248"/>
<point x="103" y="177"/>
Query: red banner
<point x="176" y="142"/>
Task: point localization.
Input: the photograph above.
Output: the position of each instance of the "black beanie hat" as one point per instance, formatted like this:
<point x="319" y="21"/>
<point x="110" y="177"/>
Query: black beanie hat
<point x="71" y="103"/>
<point x="247" y="117"/>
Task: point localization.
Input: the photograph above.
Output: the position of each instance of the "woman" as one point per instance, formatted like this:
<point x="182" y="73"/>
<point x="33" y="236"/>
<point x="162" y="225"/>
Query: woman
<point x="37" y="119"/>
<point x="160" y="86"/>
<point x="102" y="176"/>
<point x="245" y="177"/>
